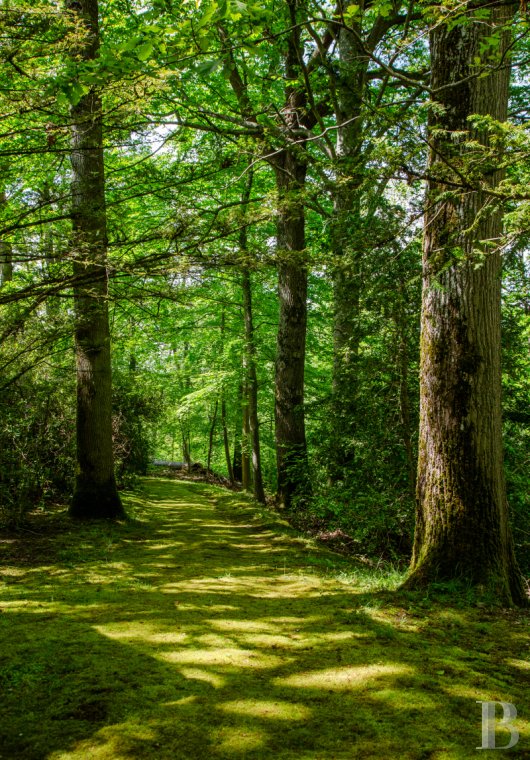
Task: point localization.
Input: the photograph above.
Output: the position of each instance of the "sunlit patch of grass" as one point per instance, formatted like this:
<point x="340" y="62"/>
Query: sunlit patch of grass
<point x="226" y="656"/>
<point x="202" y="629"/>
<point x="236" y="742"/>
<point x="342" y="678"/>
<point x="268" y="709"/>
<point x="207" y="676"/>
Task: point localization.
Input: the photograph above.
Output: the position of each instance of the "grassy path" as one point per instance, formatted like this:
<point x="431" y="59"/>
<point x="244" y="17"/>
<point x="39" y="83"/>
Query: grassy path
<point x="197" y="631"/>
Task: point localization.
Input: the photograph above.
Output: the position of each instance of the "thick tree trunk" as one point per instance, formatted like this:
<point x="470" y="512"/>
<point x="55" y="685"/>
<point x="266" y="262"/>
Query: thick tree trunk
<point x="462" y="523"/>
<point x="291" y="447"/>
<point x="95" y="493"/>
<point x="252" y="382"/>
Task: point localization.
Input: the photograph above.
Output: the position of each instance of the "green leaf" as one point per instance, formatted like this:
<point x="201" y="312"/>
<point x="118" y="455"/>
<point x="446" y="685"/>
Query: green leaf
<point x="129" y="45"/>
<point x="74" y="92"/>
<point x="352" y="11"/>
<point x="208" y="67"/>
<point x="208" y="15"/>
<point x="144" y="51"/>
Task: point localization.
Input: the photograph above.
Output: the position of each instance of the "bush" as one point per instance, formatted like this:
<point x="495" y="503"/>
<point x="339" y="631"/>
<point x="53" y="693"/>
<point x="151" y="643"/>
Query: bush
<point x="134" y="408"/>
<point x="37" y="447"/>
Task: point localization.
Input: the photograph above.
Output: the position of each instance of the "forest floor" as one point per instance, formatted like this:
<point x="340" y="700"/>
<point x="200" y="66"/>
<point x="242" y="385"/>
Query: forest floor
<point x="201" y="628"/>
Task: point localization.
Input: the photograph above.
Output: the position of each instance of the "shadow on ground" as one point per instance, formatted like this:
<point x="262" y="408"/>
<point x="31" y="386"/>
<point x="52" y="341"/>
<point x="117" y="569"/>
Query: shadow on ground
<point x="195" y="631"/>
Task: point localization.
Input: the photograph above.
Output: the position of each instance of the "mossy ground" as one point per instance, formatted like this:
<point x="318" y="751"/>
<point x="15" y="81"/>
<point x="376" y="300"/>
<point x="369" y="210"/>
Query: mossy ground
<point x="198" y="630"/>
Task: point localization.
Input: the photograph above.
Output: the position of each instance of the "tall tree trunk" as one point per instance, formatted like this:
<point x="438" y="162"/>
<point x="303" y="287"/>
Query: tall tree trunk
<point x="291" y="447"/>
<point x="289" y="166"/>
<point x="95" y="494"/>
<point x="462" y="522"/>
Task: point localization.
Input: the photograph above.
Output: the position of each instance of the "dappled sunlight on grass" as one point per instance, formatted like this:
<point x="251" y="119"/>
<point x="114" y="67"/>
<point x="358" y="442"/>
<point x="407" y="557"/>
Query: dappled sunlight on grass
<point x="197" y="674"/>
<point x="343" y="678"/>
<point x="267" y="709"/>
<point x="232" y="742"/>
<point x="199" y="630"/>
<point x="223" y="655"/>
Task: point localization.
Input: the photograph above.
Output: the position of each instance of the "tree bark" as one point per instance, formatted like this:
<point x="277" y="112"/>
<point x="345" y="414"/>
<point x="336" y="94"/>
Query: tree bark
<point x="95" y="494"/>
<point x="291" y="447"/>
<point x="290" y="168"/>
<point x="462" y="526"/>
<point x="289" y="165"/>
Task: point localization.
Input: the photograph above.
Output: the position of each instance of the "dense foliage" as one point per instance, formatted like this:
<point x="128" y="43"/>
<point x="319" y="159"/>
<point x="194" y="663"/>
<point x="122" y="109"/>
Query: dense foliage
<point x="199" y="101"/>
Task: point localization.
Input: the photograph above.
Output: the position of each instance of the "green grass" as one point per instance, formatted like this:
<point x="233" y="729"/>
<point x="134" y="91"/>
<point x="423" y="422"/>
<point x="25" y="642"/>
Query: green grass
<point x="202" y="629"/>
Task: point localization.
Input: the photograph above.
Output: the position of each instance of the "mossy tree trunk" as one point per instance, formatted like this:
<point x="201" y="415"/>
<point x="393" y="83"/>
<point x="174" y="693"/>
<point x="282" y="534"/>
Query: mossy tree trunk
<point x="95" y="494"/>
<point x="462" y="522"/>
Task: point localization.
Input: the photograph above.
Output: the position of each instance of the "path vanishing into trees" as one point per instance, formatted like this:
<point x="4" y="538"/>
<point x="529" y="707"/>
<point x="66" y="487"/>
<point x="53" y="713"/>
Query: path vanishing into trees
<point x="201" y="629"/>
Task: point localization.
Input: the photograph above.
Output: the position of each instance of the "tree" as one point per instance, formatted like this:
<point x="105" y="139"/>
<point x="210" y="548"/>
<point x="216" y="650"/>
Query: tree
<point x="462" y="522"/>
<point x="95" y="494"/>
<point x="289" y="163"/>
